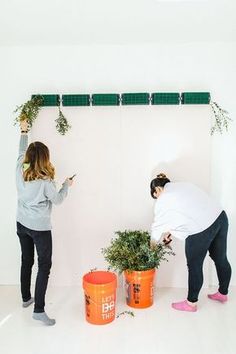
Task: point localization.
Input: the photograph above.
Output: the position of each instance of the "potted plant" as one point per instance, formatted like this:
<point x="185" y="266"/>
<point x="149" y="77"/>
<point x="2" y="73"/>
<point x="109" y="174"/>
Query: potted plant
<point x="131" y="253"/>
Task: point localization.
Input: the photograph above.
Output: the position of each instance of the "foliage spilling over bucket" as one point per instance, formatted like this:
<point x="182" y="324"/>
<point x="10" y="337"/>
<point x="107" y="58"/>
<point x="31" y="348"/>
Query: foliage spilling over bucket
<point x="132" y="251"/>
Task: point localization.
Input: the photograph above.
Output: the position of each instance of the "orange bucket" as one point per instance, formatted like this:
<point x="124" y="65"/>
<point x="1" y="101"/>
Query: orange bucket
<point x="100" y="296"/>
<point x="139" y="288"/>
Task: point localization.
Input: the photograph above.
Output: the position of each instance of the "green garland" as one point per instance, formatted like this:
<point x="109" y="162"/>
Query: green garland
<point x="30" y="110"/>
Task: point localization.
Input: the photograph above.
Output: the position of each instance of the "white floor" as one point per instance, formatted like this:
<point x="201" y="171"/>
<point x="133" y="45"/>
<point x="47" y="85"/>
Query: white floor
<point x="158" y="329"/>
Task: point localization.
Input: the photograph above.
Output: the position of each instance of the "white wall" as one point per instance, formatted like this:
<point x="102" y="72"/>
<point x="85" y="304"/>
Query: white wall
<point x="90" y="69"/>
<point x="116" y="152"/>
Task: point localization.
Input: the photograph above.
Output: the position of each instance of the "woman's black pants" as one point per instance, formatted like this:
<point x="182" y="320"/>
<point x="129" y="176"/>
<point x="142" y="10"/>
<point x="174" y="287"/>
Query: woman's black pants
<point x="42" y="240"/>
<point x="214" y="240"/>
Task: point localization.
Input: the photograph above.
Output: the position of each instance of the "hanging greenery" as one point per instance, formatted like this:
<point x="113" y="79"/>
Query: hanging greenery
<point x="222" y="118"/>
<point x="132" y="251"/>
<point x="62" y="125"/>
<point x="29" y="110"/>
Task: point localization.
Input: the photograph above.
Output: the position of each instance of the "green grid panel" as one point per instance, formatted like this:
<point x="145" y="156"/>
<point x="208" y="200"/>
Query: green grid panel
<point x="105" y="99"/>
<point x="49" y="100"/>
<point x="195" y="98"/>
<point x="159" y="98"/>
<point x="76" y="100"/>
<point x="135" y="98"/>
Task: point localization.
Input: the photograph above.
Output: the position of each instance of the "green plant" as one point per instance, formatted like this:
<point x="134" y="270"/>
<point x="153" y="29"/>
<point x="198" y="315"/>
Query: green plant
<point x="29" y="110"/>
<point x="130" y="313"/>
<point x="222" y="118"/>
<point x="93" y="270"/>
<point x="62" y="125"/>
<point x="132" y="251"/>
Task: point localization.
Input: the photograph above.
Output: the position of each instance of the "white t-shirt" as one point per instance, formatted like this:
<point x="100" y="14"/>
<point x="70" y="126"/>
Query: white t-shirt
<point x="183" y="209"/>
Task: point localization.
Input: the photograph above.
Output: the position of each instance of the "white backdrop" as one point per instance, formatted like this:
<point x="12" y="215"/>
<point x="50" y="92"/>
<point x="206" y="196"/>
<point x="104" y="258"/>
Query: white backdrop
<point x="116" y="151"/>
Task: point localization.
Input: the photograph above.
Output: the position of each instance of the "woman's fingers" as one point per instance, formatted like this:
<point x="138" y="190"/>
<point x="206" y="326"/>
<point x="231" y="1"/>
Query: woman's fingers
<point x="167" y="235"/>
<point x="153" y="243"/>
<point x="69" y="181"/>
<point x="24" y="125"/>
<point x="167" y="239"/>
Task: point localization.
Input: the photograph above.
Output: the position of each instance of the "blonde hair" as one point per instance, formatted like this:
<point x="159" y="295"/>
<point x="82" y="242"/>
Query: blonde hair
<point x="37" y="162"/>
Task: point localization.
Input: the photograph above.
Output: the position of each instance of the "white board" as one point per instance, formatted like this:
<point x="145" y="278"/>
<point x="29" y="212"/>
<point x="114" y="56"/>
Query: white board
<point x="116" y="151"/>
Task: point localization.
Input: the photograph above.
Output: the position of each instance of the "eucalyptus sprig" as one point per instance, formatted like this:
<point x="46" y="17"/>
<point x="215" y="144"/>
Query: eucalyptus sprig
<point x="132" y="251"/>
<point x="130" y="313"/>
<point x="93" y="270"/>
<point x="29" y="110"/>
<point x="222" y="118"/>
<point x="62" y="125"/>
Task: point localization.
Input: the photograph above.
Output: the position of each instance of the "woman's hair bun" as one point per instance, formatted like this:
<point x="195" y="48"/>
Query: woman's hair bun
<point x="160" y="181"/>
<point x="161" y="175"/>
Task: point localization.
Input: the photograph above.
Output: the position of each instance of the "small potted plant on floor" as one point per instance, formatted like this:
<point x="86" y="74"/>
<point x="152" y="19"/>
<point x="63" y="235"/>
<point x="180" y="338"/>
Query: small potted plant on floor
<point x="131" y="252"/>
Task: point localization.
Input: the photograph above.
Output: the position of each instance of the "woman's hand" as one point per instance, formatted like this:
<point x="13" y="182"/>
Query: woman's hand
<point x="24" y="127"/>
<point x="69" y="181"/>
<point x="167" y="238"/>
<point x="153" y="243"/>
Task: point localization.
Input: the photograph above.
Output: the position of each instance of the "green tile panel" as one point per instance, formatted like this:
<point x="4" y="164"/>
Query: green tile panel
<point x="162" y="98"/>
<point x="195" y="98"/>
<point x="49" y="100"/>
<point x="135" y="98"/>
<point x="114" y="99"/>
<point x="76" y="100"/>
<point x="105" y="99"/>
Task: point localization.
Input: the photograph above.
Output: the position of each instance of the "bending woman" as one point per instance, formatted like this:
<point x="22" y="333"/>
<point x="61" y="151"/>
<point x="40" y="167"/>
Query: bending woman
<point x="184" y="211"/>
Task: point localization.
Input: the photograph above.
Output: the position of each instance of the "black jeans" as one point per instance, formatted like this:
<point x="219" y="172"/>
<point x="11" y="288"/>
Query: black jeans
<point x="42" y="240"/>
<point x="214" y="240"/>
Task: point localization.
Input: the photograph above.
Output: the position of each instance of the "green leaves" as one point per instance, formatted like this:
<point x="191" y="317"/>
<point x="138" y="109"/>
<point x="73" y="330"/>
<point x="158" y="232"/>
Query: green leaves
<point x="29" y="110"/>
<point x="131" y="250"/>
<point x="222" y="118"/>
<point x="130" y="313"/>
<point x="62" y="125"/>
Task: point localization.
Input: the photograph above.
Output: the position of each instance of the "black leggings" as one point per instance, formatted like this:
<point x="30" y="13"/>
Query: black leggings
<point x="214" y="240"/>
<point x="43" y="243"/>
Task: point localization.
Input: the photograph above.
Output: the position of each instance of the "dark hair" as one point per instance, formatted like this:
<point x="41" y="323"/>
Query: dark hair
<point x="159" y="181"/>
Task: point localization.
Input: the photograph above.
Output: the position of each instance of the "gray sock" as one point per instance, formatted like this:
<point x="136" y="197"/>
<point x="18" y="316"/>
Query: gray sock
<point x="28" y="303"/>
<point x="42" y="316"/>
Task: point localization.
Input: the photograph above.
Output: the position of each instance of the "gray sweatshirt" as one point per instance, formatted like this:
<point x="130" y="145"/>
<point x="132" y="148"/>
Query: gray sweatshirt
<point x="35" y="198"/>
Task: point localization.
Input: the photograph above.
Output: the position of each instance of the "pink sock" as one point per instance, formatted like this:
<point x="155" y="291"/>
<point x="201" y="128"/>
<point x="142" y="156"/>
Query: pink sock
<point x="184" y="306"/>
<point x="218" y="297"/>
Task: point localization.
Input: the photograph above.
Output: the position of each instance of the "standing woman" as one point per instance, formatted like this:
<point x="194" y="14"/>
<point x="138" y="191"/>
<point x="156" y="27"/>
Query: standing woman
<point x="36" y="193"/>
<point x="184" y="211"/>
